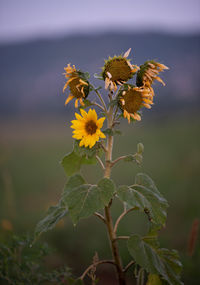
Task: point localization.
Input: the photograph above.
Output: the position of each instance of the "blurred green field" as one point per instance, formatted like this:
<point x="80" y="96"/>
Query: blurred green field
<point x="31" y="179"/>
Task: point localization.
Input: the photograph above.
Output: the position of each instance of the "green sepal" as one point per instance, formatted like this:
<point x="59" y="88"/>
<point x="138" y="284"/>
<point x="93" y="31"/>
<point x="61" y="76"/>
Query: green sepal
<point x="83" y="75"/>
<point x="87" y="103"/>
<point x="114" y="102"/>
<point x="84" y="199"/>
<point x="86" y="152"/>
<point x="111" y="132"/>
<point x="98" y="76"/>
<point x="53" y="216"/>
<point x="145" y="196"/>
<point x="138" y="158"/>
<point x="156" y="260"/>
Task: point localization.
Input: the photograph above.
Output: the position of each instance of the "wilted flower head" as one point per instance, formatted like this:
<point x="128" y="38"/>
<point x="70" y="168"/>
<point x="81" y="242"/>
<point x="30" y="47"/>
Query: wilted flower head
<point x="79" y="87"/>
<point x="148" y="73"/>
<point x="132" y="100"/>
<point x="118" y="70"/>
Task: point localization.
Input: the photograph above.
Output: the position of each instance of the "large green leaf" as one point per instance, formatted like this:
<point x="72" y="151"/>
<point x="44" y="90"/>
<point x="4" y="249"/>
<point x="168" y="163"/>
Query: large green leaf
<point x="80" y="155"/>
<point x="71" y="163"/>
<point x="85" y="199"/>
<point x="153" y="279"/>
<point x="53" y="216"/>
<point x="145" y="196"/>
<point x="106" y="190"/>
<point x="156" y="260"/>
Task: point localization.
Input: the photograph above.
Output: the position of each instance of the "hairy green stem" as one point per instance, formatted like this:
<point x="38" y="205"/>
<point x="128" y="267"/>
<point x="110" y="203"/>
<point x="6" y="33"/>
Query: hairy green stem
<point x="100" y="98"/>
<point x="108" y="217"/>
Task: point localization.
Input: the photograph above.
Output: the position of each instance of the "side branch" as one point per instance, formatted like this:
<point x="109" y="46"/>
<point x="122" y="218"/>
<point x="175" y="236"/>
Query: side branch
<point x="98" y="105"/>
<point x="121" y="217"/>
<point x="122" y="237"/>
<point x="100" y="98"/>
<point x="128" y="265"/>
<point x="118" y="159"/>
<point x="100" y="217"/>
<point x="96" y="264"/>
<point x="100" y="162"/>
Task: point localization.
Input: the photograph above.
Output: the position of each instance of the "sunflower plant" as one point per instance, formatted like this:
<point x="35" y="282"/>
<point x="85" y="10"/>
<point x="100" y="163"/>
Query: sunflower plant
<point x="129" y="88"/>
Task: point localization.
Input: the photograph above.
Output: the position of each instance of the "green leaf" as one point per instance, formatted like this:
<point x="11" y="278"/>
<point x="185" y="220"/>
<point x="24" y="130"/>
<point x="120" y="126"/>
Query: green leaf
<point x="71" y="163"/>
<point x="80" y="155"/>
<point x="109" y="132"/>
<point x="153" y="279"/>
<point x="53" y="216"/>
<point x="107" y="189"/>
<point x="85" y="199"/>
<point x="145" y="196"/>
<point x="74" y="181"/>
<point x="156" y="260"/>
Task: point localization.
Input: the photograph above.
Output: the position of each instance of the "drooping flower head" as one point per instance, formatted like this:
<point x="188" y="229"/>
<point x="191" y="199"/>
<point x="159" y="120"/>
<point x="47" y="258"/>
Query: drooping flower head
<point x="87" y="128"/>
<point x="79" y="87"/>
<point x="148" y="73"/>
<point x="132" y="100"/>
<point x="118" y="70"/>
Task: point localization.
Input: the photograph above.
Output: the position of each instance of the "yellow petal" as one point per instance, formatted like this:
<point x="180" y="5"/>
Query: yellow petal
<point x="69" y="99"/>
<point x="100" y="122"/>
<point x="102" y="135"/>
<point x="147" y="106"/>
<point x="137" y="117"/>
<point x="83" y="82"/>
<point x="126" y="54"/>
<point x="107" y="82"/>
<point x="92" y="115"/>
<point x="160" y="80"/>
<point x="78" y="117"/>
<point x="83" y="113"/>
<point x="76" y="103"/>
<point x="81" y="101"/>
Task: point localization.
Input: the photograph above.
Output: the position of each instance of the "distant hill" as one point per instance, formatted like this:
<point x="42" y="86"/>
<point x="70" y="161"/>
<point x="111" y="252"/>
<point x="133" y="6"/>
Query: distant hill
<point x="31" y="79"/>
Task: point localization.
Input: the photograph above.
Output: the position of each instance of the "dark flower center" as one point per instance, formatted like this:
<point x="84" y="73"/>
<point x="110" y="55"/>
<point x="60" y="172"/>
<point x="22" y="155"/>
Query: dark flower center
<point x="119" y="69"/>
<point x="75" y="88"/>
<point x="133" y="101"/>
<point x="90" y="127"/>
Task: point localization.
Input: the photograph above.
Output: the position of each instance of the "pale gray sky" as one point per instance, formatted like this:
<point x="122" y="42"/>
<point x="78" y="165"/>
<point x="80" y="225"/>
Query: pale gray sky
<point x="22" y="19"/>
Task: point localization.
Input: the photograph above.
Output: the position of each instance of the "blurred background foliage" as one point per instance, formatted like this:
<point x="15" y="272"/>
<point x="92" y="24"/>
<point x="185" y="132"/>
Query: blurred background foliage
<point x="35" y="135"/>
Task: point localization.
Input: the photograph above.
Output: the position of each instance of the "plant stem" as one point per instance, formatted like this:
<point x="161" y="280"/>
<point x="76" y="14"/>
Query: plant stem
<point x="109" y="222"/>
<point x="125" y="212"/>
<point x="100" y="97"/>
<point x="100" y="216"/>
<point x="95" y="264"/>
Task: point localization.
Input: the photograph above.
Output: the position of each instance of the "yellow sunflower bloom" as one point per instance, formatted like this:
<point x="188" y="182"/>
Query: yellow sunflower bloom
<point x="87" y="128"/>
<point x="79" y="88"/>
<point x="132" y="100"/>
<point x="118" y="70"/>
<point x="148" y="73"/>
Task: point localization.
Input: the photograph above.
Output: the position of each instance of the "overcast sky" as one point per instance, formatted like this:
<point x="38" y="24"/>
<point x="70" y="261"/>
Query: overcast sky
<point x="23" y="19"/>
